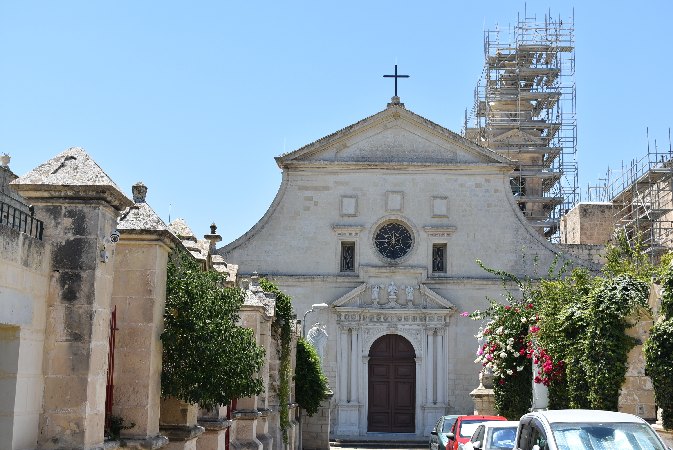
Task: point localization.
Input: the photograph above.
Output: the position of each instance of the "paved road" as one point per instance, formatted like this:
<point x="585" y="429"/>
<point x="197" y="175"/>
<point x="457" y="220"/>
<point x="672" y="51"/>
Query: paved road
<point x="371" y="447"/>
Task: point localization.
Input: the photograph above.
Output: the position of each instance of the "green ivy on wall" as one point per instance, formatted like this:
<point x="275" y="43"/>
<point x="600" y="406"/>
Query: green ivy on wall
<point x="282" y="327"/>
<point x="572" y="328"/>
<point x="659" y="352"/>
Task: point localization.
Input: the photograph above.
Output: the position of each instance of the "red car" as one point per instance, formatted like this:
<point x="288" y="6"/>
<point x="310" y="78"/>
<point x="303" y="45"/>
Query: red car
<point x="464" y="427"/>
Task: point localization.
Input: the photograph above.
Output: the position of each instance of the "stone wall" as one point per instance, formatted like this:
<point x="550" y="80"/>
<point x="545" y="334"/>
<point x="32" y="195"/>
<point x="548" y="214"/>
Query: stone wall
<point x="588" y="223"/>
<point x="593" y="254"/>
<point x="24" y="275"/>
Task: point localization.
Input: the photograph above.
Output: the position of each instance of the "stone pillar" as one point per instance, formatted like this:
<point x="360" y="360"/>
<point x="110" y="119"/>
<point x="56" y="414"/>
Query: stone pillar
<point x="244" y="430"/>
<point x="139" y="294"/>
<point x="245" y="427"/>
<point x="316" y="428"/>
<point x="484" y="399"/>
<point x="216" y="425"/>
<point x="637" y="393"/>
<point x="268" y="418"/>
<point x="293" y="438"/>
<point x="79" y="205"/>
<point x="429" y="372"/>
<point x="342" y="363"/>
<point x="178" y="423"/>
<point x="354" y="398"/>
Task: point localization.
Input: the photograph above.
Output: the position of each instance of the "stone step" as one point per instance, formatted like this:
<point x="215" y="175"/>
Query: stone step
<point x="379" y="443"/>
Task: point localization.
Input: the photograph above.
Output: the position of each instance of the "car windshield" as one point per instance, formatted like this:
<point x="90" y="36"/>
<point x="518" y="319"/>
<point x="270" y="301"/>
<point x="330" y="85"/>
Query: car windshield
<point x="448" y="424"/>
<point x="501" y="438"/>
<point x="604" y="436"/>
<point x="467" y="427"/>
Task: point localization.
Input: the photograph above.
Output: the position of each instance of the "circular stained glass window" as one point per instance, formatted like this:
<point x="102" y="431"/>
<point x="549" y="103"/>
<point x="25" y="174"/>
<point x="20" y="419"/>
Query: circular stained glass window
<point x="393" y="240"/>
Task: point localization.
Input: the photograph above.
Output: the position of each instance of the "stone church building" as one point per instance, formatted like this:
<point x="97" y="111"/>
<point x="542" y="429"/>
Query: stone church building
<point x="383" y="222"/>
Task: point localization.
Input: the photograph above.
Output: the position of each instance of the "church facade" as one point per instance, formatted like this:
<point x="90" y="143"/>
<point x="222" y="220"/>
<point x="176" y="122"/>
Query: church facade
<point x="382" y="222"/>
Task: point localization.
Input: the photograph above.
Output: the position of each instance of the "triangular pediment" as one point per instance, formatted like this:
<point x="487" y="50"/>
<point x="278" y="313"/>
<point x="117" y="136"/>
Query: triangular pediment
<point x="419" y="297"/>
<point x="393" y="136"/>
<point x="514" y="137"/>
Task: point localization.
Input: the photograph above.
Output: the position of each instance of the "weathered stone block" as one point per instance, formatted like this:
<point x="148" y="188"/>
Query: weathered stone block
<point x="75" y="286"/>
<point x="136" y="283"/>
<point x="177" y="412"/>
<point x="65" y="393"/>
<point x="78" y="253"/>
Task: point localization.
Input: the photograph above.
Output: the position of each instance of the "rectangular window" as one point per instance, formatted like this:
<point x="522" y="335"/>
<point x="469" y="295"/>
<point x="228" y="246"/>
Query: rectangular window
<point x="438" y="258"/>
<point x="348" y="256"/>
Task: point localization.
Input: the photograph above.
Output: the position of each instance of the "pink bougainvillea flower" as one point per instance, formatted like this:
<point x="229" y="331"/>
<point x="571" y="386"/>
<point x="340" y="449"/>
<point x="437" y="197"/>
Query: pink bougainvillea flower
<point x="464" y="314"/>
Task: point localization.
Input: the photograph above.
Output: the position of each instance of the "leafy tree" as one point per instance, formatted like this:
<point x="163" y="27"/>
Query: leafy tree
<point x="310" y="382"/>
<point x="207" y="357"/>
<point x="624" y="257"/>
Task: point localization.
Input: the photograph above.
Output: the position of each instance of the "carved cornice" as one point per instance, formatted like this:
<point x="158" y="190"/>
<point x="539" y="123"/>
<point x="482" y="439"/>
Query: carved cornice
<point x="347" y="230"/>
<point x="439" y="231"/>
<point x="358" y="318"/>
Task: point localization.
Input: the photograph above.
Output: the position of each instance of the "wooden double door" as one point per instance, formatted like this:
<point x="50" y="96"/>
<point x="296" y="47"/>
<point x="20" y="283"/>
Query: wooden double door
<point x="392" y="386"/>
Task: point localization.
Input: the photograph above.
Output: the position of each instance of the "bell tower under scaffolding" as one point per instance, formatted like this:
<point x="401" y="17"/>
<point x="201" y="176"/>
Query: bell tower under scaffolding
<point x="524" y="109"/>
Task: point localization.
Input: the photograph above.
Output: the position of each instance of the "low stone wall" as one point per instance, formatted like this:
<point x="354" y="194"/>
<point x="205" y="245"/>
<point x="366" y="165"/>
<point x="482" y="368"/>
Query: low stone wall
<point x="593" y="254"/>
<point x="24" y="280"/>
<point x="315" y="429"/>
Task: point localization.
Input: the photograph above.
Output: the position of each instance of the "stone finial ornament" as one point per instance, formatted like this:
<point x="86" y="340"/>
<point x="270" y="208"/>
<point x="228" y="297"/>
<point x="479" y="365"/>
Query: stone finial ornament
<point x="4" y="160"/>
<point x="213" y="228"/>
<point x="139" y="191"/>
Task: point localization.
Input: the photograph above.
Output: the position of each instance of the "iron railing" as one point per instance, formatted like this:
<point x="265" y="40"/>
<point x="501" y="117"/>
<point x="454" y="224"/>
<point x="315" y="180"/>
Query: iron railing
<point x="24" y="222"/>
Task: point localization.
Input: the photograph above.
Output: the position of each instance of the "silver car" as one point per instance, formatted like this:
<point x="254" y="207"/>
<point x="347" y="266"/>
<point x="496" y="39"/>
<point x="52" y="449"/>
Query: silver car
<point x="493" y="435"/>
<point x="576" y="429"/>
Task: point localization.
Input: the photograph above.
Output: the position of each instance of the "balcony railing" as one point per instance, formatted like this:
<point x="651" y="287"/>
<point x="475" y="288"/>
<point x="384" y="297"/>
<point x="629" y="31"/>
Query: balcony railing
<point x="22" y="221"/>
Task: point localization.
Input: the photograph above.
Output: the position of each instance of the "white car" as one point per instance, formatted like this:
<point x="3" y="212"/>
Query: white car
<point x="493" y="435"/>
<point x="578" y="429"/>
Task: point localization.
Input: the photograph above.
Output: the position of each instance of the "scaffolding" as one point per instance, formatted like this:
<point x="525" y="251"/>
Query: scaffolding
<point x="524" y="108"/>
<point x="642" y="196"/>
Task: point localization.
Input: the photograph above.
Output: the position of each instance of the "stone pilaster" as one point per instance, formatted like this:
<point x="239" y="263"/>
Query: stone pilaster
<point x="79" y="205"/>
<point x="139" y="294"/>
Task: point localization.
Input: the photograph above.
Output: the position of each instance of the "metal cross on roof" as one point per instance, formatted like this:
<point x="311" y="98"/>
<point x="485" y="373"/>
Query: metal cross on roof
<point x="396" y="76"/>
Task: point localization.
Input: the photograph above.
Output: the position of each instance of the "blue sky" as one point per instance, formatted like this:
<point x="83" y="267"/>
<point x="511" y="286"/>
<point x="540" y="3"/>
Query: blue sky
<point x="196" y="98"/>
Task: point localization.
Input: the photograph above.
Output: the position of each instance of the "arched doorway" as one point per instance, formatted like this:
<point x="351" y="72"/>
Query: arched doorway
<point x="392" y="385"/>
